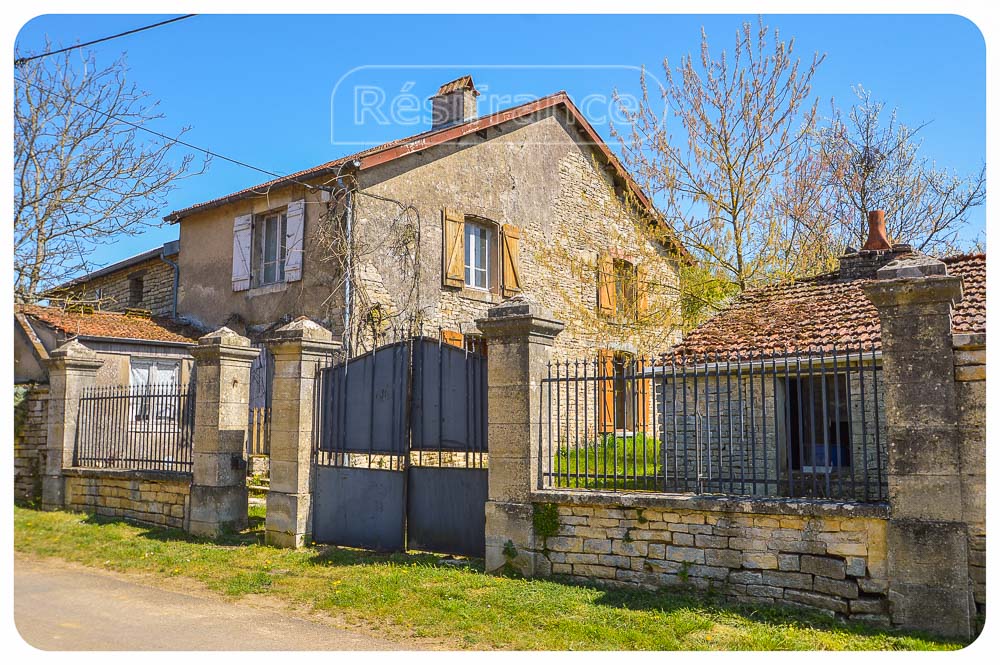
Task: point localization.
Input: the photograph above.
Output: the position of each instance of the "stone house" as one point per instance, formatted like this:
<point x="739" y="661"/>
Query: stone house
<point x="424" y="234"/>
<point x="146" y="281"/>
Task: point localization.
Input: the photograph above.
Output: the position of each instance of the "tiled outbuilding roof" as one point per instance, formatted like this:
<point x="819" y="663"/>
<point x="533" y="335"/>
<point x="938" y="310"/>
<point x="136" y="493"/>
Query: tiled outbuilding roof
<point x="112" y="325"/>
<point x="820" y="312"/>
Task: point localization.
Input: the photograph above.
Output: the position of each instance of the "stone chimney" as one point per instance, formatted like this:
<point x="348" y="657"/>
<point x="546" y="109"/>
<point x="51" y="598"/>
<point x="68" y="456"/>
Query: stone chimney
<point x="454" y="103"/>
<point x="875" y="253"/>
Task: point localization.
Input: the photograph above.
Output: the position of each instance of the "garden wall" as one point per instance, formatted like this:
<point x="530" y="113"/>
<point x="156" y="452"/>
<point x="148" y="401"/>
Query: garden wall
<point x="827" y="556"/>
<point x="30" y="431"/>
<point x="151" y="497"/>
<point x="970" y="393"/>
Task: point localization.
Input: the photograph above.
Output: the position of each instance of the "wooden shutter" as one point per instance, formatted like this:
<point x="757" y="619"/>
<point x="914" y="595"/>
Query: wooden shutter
<point x="453" y="337"/>
<point x="242" y="243"/>
<point x="453" y="248"/>
<point x="641" y="291"/>
<point x="294" y="230"/>
<point x="605" y="285"/>
<point x="644" y="388"/>
<point x="606" y="390"/>
<point x="510" y="237"/>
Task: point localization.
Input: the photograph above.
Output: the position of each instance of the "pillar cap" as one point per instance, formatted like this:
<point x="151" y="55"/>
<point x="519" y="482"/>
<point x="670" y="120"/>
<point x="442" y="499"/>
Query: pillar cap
<point x="914" y="290"/>
<point x="73" y="352"/>
<point x="302" y="328"/>
<point x="520" y="315"/>
<point x="912" y="265"/>
<point x="223" y="337"/>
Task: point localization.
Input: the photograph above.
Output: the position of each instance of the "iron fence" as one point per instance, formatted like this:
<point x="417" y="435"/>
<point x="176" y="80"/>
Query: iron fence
<point x="803" y="423"/>
<point x="135" y="427"/>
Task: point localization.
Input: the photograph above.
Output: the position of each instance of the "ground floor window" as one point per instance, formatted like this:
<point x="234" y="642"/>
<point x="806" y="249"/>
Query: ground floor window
<point x="152" y="380"/>
<point x="818" y="425"/>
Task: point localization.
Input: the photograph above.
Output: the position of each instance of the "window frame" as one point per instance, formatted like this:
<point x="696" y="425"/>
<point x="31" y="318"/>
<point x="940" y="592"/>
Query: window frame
<point x="259" y="233"/>
<point x="489" y="256"/>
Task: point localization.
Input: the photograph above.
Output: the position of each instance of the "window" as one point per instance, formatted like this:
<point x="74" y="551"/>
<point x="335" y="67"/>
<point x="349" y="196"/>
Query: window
<point x="154" y="384"/>
<point x="269" y="233"/>
<point x="624" y="385"/>
<point x="135" y="290"/>
<point x="479" y="241"/>
<point x="819" y="432"/>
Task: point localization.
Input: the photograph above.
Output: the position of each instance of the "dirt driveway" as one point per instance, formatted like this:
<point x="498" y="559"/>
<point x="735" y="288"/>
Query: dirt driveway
<point x="62" y="606"/>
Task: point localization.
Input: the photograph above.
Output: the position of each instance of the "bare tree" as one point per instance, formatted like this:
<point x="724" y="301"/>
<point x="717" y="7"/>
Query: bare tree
<point x="84" y="174"/>
<point x="871" y="161"/>
<point x="745" y="119"/>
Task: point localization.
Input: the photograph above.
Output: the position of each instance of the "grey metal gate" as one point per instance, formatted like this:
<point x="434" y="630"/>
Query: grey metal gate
<point x="401" y="459"/>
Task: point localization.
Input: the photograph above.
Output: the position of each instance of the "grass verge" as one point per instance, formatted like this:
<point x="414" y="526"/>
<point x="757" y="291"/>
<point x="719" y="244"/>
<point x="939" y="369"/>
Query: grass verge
<point x="458" y="605"/>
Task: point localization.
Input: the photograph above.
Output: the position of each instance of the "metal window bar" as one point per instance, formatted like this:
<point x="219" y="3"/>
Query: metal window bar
<point x="135" y="427"/>
<point x="756" y="424"/>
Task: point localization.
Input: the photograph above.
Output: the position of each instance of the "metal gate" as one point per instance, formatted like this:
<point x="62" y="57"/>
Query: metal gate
<point x="401" y="457"/>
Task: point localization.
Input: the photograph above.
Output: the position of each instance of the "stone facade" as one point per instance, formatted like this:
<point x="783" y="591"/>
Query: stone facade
<point x="151" y="497"/>
<point x="539" y="176"/>
<point x="114" y="292"/>
<point x="30" y="428"/>
<point x="828" y="557"/>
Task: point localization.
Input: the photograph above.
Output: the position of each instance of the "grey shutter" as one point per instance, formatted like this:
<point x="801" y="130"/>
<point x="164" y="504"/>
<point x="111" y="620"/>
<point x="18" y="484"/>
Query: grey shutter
<point x="294" y="228"/>
<point x="242" y="242"/>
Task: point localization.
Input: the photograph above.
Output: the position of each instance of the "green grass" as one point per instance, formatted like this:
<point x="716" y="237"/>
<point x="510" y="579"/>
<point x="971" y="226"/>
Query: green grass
<point x="405" y="595"/>
<point x="611" y="462"/>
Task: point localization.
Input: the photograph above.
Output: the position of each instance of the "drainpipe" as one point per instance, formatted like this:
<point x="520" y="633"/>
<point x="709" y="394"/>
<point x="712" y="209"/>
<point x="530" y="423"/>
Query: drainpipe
<point x="177" y="275"/>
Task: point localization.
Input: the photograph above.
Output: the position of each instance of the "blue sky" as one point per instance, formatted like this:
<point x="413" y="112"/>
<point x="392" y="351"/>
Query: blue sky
<point x="259" y="88"/>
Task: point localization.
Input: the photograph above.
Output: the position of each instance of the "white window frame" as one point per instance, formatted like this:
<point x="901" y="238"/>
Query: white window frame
<point x="259" y="240"/>
<point x="477" y="258"/>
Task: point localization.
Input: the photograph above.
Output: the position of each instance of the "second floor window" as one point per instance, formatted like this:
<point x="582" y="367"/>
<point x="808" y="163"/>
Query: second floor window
<point x="625" y="289"/>
<point x="478" y="247"/>
<point x="269" y="241"/>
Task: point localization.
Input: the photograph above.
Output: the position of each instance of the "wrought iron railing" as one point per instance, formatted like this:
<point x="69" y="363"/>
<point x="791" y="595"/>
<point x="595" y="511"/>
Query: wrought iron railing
<point x="804" y="423"/>
<point x="135" y="427"/>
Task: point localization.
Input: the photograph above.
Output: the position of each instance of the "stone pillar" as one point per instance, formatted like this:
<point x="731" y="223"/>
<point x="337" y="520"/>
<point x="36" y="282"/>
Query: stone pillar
<point x="222" y="393"/>
<point x="519" y="335"/>
<point x="926" y="536"/>
<point x="72" y="368"/>
<point x="300" y="349"/>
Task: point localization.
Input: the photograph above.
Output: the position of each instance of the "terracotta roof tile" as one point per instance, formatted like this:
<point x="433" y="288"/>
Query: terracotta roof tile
<point x="820" y="312"/>
<point x="112" y="325"/>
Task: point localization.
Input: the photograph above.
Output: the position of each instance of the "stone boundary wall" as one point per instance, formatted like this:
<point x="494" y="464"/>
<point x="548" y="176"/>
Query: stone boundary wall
<point x="826" y="556"/>
<point x="30" y="432"/>
<point x="151" y="497"/>
<point x="970" y="389"/>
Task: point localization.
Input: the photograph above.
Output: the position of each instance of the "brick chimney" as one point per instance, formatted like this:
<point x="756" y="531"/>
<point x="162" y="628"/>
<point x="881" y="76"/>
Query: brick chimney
<point x="875" y="253"/>
<point x="454" y="103"/>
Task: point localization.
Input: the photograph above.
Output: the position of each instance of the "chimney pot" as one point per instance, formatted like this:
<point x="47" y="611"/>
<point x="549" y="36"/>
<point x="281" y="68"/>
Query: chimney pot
<point x="877" y="241"/>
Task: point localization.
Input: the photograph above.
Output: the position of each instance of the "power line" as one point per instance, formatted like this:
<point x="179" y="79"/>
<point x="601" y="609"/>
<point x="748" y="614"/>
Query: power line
<point x="206" y="151"/>
<point x="20" y="61"/>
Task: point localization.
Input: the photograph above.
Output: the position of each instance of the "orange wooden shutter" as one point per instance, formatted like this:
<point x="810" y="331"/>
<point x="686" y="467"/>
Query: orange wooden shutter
<point x="453" y="248"/>
<point x="453" y="337"/>
<point x="606" y="390"/>
<point x="641" y="291"/>
<point x="605" y="285"/>
<point x="644" y="421"/>
<point x="510" y="240"/>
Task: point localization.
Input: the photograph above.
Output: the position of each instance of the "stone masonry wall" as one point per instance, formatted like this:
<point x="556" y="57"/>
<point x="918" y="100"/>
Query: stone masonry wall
<point x="827" y="556"/>
<point x="970" y="388"/>
<point x="151" y="497"/>
<point x="112" y="291"/>
<point x="30" y="430"/>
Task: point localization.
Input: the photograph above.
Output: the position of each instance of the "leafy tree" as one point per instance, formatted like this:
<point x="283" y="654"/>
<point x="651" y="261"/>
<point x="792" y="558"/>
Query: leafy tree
<point x="743" y="122"/>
